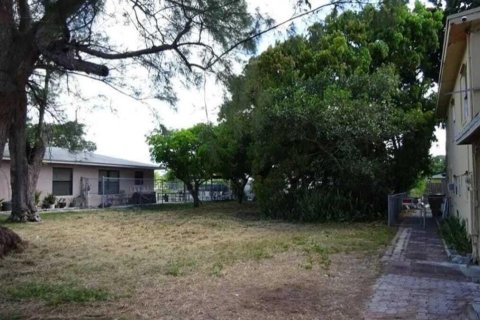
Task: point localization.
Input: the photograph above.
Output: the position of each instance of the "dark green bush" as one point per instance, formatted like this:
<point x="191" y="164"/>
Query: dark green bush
<point x="454" y="232"/>
<point x="318" y="206"/>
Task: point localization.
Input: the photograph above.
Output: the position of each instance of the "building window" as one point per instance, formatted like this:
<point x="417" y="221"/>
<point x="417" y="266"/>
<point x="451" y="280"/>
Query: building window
<point x="112" y="182"/>
<point x="138" y="178"/>
<point x="62" y="181"/>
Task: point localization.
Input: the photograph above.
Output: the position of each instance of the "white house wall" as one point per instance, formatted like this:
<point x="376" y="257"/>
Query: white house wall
<point x="44" y="181"/>
<point x="127" y="179"/>
<point x="44" y="185"/>
<point x="460" y="157"/>
<point x="126" y="186"/>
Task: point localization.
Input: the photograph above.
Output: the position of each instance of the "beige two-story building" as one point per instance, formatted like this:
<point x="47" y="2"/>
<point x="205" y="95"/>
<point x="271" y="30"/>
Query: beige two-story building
<point x="459" y="106"/>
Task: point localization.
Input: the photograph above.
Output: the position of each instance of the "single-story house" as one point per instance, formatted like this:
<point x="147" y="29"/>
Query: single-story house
<point x="87" y="179"/>
<point x="459" y="107"/>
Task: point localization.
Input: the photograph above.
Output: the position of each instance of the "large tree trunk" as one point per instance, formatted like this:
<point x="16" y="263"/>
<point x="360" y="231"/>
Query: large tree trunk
<point x="193" y="189"/>
<point x="239" y="186"/>
<point x="35" y="160"/>
<point x="196" y="199"/>
<point x="18" y="55"/>
<point x="7" y="87"/>
<point x="36" y="151"/>
<point x="22" y="199"/>
<point x="33" y="173"/>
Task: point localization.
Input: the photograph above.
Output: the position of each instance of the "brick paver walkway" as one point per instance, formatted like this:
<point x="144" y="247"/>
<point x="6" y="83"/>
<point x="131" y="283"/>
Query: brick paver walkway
<point x="418" y="282"/>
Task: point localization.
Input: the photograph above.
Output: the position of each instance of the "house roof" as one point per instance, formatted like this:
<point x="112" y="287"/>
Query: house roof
<point x="56" y="155"/>
<point x="454" y="45"/>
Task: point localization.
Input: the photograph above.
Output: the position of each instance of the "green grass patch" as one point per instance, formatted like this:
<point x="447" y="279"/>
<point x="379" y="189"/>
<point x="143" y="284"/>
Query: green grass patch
<point x="316" y="253"/>
<point x="179" y="267"/>
<point x="160" y="207"/>
<point x="419" y="188"/>
<point x="217" y="269"/>
<point x="55" y="294"/>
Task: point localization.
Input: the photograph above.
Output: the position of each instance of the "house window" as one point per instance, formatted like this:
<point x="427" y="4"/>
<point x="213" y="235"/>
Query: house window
<point x="112" y="182"/>
<point x="464" y="94"/>
<point x="62" y="181"/>
<point x="138" y="178"/>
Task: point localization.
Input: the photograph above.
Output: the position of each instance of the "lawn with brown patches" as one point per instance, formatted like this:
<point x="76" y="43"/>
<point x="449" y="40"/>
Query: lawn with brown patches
<point x="220" y="261"/>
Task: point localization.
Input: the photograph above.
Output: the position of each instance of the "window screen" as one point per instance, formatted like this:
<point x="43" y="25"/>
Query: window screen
<point x="138" y="178"/>
<point x="62" y="181"/>
<point x="112" y="181"/>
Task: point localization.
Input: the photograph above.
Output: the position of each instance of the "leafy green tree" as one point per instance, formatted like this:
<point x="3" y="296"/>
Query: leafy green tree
<point x="394" y="34"/>
<point x="70" y="135"/>
<point x="438" y="165"/>
<point x="342" y="117"/>
<point x="187" y="154"/>
<point x="230" y="157"/>
<point x="419" y="188"/>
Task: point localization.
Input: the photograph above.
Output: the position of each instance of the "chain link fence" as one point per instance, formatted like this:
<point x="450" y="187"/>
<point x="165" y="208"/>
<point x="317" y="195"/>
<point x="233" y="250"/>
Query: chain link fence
<point x="395" y="202"/>
<point x="175" y="191"/>
<point x="107" y="192"/>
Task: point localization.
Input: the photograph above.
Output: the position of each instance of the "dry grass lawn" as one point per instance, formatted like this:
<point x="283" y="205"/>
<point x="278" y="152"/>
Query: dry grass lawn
<point x="217" y="262"/>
